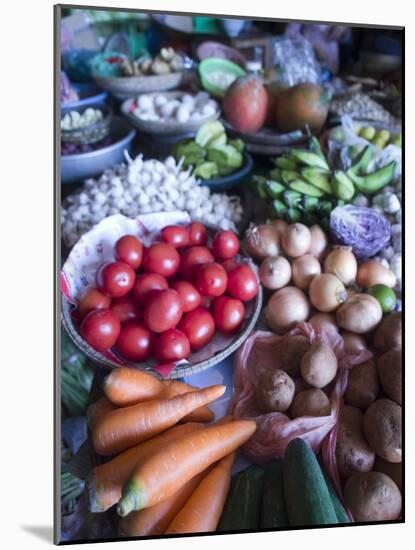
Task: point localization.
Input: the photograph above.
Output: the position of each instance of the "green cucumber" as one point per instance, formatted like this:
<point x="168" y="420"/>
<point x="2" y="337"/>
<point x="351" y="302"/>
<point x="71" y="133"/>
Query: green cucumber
<point x="374" y="182"/>
<point x="341" y="513"/>
<point x="305" y="188"/>
<point x="307" y="497"/>
<point x="242" y="507"/>
<point x="273" y="512"/>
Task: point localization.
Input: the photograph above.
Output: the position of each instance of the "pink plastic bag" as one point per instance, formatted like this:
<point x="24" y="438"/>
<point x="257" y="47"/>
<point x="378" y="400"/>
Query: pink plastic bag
<point x="276" y="430"/>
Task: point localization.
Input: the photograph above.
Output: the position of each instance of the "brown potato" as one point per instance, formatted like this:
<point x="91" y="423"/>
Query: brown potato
<point x="372" y="496"/>
<point x="353" y="453"/>
<point x="363" y="385"/>
<point x="382" y="428"/>
<point x="390" y="372"/>
<point x="312" y="402"/>
<point x="388" y="335"/>
<point x="392" y="470"/>
<point x="319" y="365"/>
<point x="290" y="352"/>
<point x="275" y="391"/>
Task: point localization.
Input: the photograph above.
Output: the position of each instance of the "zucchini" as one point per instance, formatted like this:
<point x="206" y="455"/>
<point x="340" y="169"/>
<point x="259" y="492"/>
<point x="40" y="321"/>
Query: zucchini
<point x="341" y="513"/>
<point x="273" y="512"/>
<point x="307" y="497"/>
<point x="241" y="511"/>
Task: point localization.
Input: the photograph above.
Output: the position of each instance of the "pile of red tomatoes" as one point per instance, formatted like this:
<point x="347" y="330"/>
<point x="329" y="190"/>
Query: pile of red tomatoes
<point x="167" y="300"/>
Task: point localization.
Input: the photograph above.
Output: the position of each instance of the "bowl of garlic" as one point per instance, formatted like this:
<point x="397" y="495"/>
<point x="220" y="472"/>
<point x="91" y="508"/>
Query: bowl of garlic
<point x="170" y="112"/>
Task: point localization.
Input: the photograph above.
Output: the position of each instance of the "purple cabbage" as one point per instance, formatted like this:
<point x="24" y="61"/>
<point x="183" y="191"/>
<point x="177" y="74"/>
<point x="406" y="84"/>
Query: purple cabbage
<point x="363" y="229"/>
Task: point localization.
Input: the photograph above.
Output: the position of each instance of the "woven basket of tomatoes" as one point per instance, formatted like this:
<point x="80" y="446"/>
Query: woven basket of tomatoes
<point x="160" y="293"/>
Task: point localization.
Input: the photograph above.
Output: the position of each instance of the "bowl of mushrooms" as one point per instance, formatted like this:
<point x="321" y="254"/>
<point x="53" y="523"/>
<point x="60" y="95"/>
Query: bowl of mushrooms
<point x="170" y="112"/>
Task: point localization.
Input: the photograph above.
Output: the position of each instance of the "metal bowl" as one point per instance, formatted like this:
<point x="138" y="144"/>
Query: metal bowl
<point x="179" y="371"/>
<point x="164" y="127"/>
<point x="78" y="167"/>
<point x="128" y="86"/>
<point x="92" y="133"/>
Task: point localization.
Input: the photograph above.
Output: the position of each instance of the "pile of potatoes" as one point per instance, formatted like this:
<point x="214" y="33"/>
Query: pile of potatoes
<point x="369" y="438"/>
<point x="302" y="384"/>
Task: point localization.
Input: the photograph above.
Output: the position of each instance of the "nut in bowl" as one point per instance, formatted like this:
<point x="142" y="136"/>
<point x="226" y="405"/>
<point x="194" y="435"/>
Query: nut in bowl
<point x="158" y="293"/>
<point x="86" y="125"/>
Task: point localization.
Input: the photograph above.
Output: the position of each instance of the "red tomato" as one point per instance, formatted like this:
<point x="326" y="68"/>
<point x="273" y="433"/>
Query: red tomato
<point x="189" y="295"/>
<point x="161" y="258"/>
<point x="229" y="264"/>
<point x="242" y="283"/>
<point x="198" y="234"/>
<point x="198" y="326"/>
<point x="225" y="245"/>
<point x="126" y="308"/>
<point x="134" y="342"/>
<point x="115" y="279"/>
<point x="146" y="283"/>
<point x="163" y="310"/>
<point x="176" y="235"/>
<point x="129" y="249"/>
<point x="93" y="299"/>
<point x="192" y="258"/>
<point x="100" y="328"/>
<point x="228" y="314"/>
<point x="211" y="279"/>
<point x="172" y="345"/>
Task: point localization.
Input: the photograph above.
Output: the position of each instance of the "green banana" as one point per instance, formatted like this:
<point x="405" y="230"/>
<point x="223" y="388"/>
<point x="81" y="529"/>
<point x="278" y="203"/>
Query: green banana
<point x="317" y="177"/>
<point x="309" y="204"/>
<point x="279" y="208"/>
<point x="292" y="198"/>
<point x="293" y="215"/>
<point x="310" y="219"/>
<point x="285" y="163"/>
<point x="325" y="207"/>
<point x="361" y="163"/>
<point x="275" y="174"/>
<point x="374" y="182"/>
<point x="305" y="188"/>
<point x="342" y="186"/>
<point x="259" y="184"/>
<point x="310" y="159"/>
<point x="289" y="175"/>
<point x="314" y="146"/>
<point x="274" y="188"/>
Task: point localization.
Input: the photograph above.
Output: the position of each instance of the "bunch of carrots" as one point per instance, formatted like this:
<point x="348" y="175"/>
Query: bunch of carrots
<point x="169" y="471"/>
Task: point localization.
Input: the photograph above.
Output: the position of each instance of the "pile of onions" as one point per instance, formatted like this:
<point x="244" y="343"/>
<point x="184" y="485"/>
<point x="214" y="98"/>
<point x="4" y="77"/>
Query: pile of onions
<point x="304" y="269"/>
<point x="296" y="240"/>
<point x="342" y="263"/>
<point x="327" y="292"/>
<point x="262" y="241"/>
<point x="319" y="242"/>
<point x="360" y="314"/>
<point x="286" y="307"/>
<point x="275" y="272"/>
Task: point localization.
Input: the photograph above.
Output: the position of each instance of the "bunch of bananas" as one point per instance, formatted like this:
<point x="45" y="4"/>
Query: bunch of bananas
<point x="303" y="187"/>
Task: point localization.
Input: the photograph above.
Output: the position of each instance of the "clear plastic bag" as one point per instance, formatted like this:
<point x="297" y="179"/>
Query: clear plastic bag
<point x="296" y="61"/>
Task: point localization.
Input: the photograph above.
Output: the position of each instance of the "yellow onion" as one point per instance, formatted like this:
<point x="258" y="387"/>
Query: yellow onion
<point x="262" y="241"/>
<point x="353" y="342"/>
<point x="286" y="307"/>
<point x="275" y="272"/>
<point x="296" y="240"/>
<point x="342" y="263"/>
<point x="372" y="273"/>
<point x="360" y="314"/>
<point x="319" y="242"/>
<point x="304" y="269"/>
<point x="326" y="292"/>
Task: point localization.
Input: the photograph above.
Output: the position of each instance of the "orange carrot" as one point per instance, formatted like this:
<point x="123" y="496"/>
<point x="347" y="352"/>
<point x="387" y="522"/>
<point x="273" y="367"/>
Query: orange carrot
<point x="202" y="511"/>
<point x="97" y="411"/>
<point x="160" y="476"/>
<point x="122" y="428"/>
<point x="106" y="480"/>
<point x="125" y="387"/>
<point x="155" y="520"/>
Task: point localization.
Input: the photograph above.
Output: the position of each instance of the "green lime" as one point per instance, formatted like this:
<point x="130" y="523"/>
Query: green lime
<point x="385" y="296"/>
